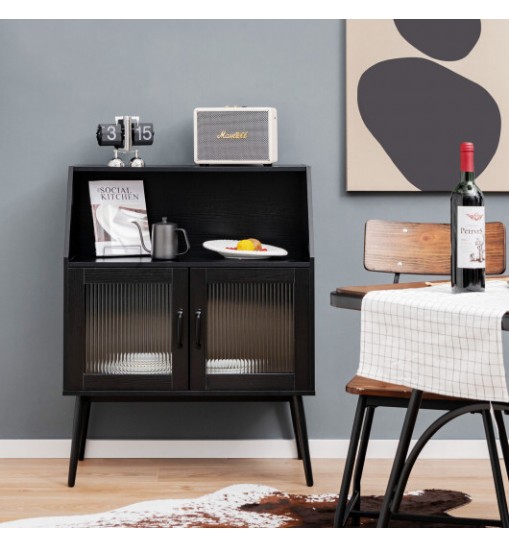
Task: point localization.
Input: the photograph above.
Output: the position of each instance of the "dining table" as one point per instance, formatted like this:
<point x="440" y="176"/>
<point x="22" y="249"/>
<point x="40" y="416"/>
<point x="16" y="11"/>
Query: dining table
<point x="351" y="298"/>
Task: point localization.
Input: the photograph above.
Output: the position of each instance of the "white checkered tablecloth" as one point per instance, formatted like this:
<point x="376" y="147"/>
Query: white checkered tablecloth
<point x="434" y="340"/>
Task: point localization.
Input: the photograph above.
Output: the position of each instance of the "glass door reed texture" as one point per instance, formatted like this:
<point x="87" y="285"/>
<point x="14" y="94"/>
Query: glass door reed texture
<point x="128" y="329"/>
<point x="250" y="328"/>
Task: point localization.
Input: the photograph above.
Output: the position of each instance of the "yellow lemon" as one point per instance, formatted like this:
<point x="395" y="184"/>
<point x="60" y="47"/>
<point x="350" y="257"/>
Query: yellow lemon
<point x="245" y="245"/>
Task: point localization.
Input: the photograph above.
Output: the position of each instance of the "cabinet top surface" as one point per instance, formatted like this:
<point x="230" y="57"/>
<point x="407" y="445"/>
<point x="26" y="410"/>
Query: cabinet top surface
<point x="197" y="168"/>
<point x="197" y="262"/>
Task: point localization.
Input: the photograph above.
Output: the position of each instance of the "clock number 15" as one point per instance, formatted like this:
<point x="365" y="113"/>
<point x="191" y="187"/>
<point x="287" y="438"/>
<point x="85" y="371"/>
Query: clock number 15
<point x="143" y="134"/>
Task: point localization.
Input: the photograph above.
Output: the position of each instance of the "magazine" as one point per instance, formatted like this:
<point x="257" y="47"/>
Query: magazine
<point x="120" y="218"/>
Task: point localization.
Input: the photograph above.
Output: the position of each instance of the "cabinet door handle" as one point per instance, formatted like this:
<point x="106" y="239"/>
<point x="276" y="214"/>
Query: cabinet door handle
<point x="197" y="321"/>
<point x="180" y="326"/>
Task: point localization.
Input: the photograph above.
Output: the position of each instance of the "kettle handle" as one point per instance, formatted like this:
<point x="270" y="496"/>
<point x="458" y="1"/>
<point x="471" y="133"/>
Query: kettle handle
<point x="141" y="237"/>
<point x="188" y="245"/>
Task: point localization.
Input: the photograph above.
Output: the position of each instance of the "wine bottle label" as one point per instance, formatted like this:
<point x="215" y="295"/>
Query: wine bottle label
<point x="471" y="237"/>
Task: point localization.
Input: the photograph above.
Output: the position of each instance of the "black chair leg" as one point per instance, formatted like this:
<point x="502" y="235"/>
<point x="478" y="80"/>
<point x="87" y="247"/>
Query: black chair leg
<point x="502" y="434"/>
<point x="361" y="459"/>
<point x="340" y="515"/>
<point x="86" y="416"/>
<point x="401" y="454"/>
<point x="495" y="467"/>
<point x="79" y="417"/>
<point x="302" y="437"/>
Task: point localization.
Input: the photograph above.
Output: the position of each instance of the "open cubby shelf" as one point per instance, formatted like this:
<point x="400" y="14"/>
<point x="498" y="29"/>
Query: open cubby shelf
<point x="211" y="203"/>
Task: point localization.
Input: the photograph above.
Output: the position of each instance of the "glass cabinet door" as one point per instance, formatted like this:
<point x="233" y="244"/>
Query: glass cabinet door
<point x="249" y="328"/>
<point x="133" y="329"/>
<point x="128" y="328"/>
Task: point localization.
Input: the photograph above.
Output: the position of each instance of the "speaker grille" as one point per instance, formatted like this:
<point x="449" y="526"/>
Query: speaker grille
<point x="254" y="147"/>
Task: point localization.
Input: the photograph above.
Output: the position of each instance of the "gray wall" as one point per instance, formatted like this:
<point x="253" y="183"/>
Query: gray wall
<point x="58" y="80"/>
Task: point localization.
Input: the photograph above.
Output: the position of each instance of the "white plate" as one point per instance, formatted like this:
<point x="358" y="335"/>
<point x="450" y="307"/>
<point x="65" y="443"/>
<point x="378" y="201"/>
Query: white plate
<point x="221" y="246"/>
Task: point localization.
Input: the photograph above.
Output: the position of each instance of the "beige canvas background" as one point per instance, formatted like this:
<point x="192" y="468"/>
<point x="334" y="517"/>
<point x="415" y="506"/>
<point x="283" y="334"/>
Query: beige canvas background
<point x="368" y="42"/>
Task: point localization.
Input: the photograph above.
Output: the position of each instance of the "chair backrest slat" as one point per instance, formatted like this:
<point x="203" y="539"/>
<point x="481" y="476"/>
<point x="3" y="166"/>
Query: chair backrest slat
<point x="423" y="248"/>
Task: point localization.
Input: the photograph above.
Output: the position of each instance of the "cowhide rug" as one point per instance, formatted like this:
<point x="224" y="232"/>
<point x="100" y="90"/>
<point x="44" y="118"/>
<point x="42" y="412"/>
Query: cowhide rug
<point x="246" y="506"/>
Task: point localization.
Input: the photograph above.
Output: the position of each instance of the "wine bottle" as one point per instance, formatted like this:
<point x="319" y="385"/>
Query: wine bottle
<point x="468" y="252"/>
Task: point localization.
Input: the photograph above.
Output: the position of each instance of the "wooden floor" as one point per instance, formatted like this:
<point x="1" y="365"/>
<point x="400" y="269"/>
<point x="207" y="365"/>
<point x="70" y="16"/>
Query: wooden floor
<point x="34" y="488"/>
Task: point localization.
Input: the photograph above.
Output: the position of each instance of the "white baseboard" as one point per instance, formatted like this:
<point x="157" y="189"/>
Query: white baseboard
<point x="234" y="449"/>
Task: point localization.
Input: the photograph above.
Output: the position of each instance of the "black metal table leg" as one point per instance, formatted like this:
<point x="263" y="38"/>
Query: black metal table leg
<point x="79" y="416"/>
<point x="302" y="438"/>
<point x="86" y="416"/>
<point x="401" y="453"/>
<point x="495" y="467"/>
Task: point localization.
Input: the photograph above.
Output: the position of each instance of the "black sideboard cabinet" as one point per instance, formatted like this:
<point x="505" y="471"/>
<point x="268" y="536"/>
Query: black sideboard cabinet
<point x="200" y="327"/>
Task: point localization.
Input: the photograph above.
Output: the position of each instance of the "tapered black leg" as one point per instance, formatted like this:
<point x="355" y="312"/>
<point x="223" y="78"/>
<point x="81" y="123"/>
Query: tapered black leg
<point x="86" y="416"/>
<point x="502" y="434"/>
<point x="296" y="432"/>
<point x="339" y="518"/>
<point x="302" y="438"/>
<point x="401" y="453"/>
<point x="79" y="416"/>
<point x="495" y="467"/>
<point x="361" y="459"/>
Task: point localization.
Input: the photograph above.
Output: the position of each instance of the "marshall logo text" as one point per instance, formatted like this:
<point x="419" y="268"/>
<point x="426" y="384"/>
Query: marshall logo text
<point x="236" y="135"/>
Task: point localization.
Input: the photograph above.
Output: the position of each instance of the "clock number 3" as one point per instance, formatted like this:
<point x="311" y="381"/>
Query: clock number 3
<point x="111" y="133"/>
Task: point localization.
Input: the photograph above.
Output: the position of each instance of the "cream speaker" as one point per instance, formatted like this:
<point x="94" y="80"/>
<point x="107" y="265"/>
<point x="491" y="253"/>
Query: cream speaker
<point x="235" y="135"/>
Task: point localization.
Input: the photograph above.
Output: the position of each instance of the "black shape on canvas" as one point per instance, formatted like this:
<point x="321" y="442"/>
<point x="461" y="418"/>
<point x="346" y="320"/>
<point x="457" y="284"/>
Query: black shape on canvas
<point x="420" y="112"/>
<point x="444" y="39"/>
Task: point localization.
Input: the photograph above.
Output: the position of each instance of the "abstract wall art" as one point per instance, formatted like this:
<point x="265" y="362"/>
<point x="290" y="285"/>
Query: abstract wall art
<point x="415" y="90"/>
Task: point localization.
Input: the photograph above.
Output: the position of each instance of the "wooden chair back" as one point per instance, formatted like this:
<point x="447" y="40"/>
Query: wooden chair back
<point x="423" y="248"/>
